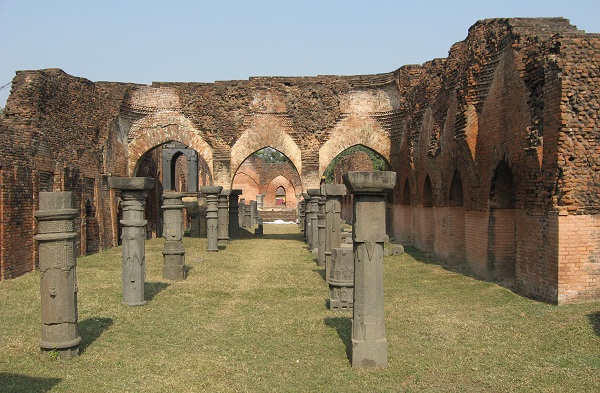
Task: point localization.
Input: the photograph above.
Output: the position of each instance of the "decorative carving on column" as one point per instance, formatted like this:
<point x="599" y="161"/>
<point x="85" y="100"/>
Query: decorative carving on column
<point x="369" y="341"/>
<point x="234" y="220"/>
<point x="223" y="217"/>
<point x="58" y="278"/>
<point x="173" y="252"/>
<point x="133" y="195"/>
<point x="212" y="217"/>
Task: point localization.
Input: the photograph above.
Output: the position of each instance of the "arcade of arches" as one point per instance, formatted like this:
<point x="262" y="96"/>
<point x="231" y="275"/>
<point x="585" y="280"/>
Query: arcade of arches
<point x="495" y="147"/>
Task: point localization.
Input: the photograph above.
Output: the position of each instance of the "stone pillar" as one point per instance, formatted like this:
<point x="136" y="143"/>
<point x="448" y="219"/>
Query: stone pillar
<point x="260" y="201"/>
<point x="369" y="341"/>
<point x="212" y="217"/>
<point x="196" y="209"/>
<point x="173" y="252"/>
<point x="223" y="220"/>
<point x="248" y="215"/>
<point x="253" y="213"/>
<point x="234" y="220"/>
<point x="301" y="207"/>
<point x="242" y="212"/>
<point x="321" y="231"/>
<point x="58" y="278"/>
<point x="333" y="206"/>
<point x="341" y="279"/>
<point x="314" y="193"/>
<point x="307" y="226"/>
<point x="260" y="230"/>
<point x="133" y="195"/>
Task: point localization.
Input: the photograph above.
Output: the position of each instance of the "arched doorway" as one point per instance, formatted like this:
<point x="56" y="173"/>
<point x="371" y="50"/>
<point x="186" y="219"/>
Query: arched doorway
<point x="501" y="256"/>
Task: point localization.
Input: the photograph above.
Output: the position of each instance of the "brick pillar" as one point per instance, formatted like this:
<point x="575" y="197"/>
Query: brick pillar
<point x="369" y="341"/>
<point x="58" y="278"/>
<point x="133" y="194"/>
<point x="173" y="252"/>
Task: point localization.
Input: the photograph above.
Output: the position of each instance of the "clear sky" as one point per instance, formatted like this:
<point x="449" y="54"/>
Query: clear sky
<point x="203" y="41"/>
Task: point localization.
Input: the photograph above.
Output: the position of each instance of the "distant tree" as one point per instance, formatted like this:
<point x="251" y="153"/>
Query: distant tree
<point x="270" y="155"/>
<point x="376" y="159"/>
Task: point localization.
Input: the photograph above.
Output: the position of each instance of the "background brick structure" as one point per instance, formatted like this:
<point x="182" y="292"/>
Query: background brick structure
<point x="496" y="148"/>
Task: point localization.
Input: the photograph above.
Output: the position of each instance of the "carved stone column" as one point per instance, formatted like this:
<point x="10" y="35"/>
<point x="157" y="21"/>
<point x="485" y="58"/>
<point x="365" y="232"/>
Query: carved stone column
<point x="234" y="221"/>
<point x="307" y="216"/>
<point x="242" y="212"/>
<point x="321" y="231"/>
<point x="173" y="252"/>
<point x="314" y="193"/>
<point x="223" y="213"/>
<point x="248" y="215"/>
<point x="369" y="341"/>
<point x="253" y="213"/>
<point x="333" y="206"/>
<point x="212" y="217"/>
<point x="301" y="207"/>
<point x="58" y="278"/>
<point x="133" y="195"/>
<point x="341" y="279"/>
<point x="260" y="200"/>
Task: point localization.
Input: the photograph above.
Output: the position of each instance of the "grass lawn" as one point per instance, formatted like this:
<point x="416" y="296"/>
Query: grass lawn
<point x="253" y="317"/>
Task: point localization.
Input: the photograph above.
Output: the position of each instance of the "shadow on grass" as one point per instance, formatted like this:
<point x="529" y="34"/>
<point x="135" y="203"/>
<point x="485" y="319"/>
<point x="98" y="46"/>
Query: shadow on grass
<point x="595" y="321"/>
<point x="321" y="273"/>
<point x="90" y="329"/>
<point x="13" y="383"/>
<point x="343" y="327"/>
<point x="152" y="289"/>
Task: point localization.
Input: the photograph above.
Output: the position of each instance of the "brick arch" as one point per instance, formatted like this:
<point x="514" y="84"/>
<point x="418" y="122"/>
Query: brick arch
<point x="368" y="133"/>
<point x="274" y="184"/>
<point x="159" y="128"/>
<point x="261" y="135"/>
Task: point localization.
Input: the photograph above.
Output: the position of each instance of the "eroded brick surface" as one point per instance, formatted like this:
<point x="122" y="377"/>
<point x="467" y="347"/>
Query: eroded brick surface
<point x="522" y="94"/>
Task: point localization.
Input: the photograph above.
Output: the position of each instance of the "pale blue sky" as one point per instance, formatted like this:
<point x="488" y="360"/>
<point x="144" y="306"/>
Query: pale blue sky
<point x="202" y="41"/>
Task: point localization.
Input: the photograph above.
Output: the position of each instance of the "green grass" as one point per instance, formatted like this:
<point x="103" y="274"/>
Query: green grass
<point x="252" y="318"/>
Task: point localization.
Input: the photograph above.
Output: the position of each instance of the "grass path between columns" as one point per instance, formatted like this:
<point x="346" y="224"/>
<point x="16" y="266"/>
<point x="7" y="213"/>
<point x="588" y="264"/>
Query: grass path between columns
<point x="252" y="317"/>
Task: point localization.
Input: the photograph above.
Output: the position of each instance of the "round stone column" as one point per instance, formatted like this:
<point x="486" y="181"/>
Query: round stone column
<point x="58" y="279"/>
<point x="173" y="252"/>
<point x="234" y="220"/>
<point x="212" y="217"/>
<point x="223" y="217"/>
<point x="314" y="193"/>
<point x="369" y="341"/>
<point x="133" y="238"/>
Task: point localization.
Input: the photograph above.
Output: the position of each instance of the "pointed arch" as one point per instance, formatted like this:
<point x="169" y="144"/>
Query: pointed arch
<point x="265" y="133"/>
<point x="347" y="134"/>
<point x="162" y="127"/>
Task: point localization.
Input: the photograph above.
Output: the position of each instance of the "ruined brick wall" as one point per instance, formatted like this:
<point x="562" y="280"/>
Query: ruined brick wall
<point x="495" y="147"/>
<point x="56" y="132"/>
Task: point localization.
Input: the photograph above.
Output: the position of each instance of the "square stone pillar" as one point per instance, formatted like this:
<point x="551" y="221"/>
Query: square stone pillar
<point x="314" y="193"/>
<point x="223" y="220"/>
<point x="301" y="207"/>
<point x="133" y="238"/>
<point x="212" y="217"/>
<point x="369" y="341"/>
<point x="260" y="200"/>
<point x="341" y="279"/>
<point x="253" y="213"/>
<point x="333" y="206"/>
<point x="234" y="220"/>
<point x="173" y="252"/>
<point x="58" y="278"/>
<point x="248" y="215"/>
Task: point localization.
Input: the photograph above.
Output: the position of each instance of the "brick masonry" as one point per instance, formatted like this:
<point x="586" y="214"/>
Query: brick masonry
<point x="496" y="148"/>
